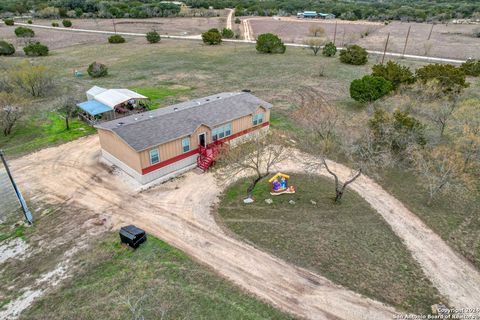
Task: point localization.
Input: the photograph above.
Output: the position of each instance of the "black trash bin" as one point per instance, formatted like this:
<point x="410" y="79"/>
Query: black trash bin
<point x="132" y="236"/>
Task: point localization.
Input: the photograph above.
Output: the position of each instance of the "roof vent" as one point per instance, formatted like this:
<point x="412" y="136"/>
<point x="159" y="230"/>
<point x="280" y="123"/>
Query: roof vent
<point x="175" y="109"/>
<point x="218" y="97"/>
<point x="150" y="116"/>
<point x="246" y="90"/>
<point x="120" y="123"/>
<point x="136" y="119"/>
<point x="199" y="103"/>
<point x="207" y="99"/>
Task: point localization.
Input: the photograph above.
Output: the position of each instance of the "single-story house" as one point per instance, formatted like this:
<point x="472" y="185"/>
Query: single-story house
<point x="159" y="144"/>
<point x="103" y="102"/>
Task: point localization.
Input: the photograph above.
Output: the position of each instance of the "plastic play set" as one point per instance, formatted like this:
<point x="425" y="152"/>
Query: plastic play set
<point x="280" y="184"/>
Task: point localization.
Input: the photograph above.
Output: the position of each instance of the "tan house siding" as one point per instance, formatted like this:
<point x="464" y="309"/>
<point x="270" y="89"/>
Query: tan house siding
<point x="111" y="143"/>
<point x="174" y="148"/>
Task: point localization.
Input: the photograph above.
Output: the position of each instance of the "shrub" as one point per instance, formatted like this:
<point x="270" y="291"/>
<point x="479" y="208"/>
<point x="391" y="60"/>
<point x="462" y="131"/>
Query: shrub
<point x="9" y="22"/>
<point x="6" y="49"/>
<point x="449" y="78"/>
<point x="355" y="55"/>
<point x="393" y="72"/>
<point x="36" y="49"/>
<point x="237" y="21"/>
<point x="97" y="70"/>
<point x="476" y="33"/>
<point x="329" y="50"/>
<point x="471" y="67"/>
<point x="212" y="37"/>
<point x="227" y="33"/>
<point x="116" y="38"/>
<point x="24" y="32"/>
<point x="153" y="37"/>
<point x="29" y="21"/>
<point x="67" y="23"/>
<point x="54" y="24"/>
<point x="270" y="43"/>
<point x="369" y="88"/>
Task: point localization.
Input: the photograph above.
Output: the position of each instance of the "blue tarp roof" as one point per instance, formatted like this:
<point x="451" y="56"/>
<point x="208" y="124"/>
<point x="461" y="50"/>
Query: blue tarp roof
<point x="94" y="107"/>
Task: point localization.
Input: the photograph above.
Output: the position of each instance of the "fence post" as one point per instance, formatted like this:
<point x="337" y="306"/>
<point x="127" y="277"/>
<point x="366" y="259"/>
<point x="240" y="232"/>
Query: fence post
<point x="26" y="212"/>
<point x="406" y="41"/>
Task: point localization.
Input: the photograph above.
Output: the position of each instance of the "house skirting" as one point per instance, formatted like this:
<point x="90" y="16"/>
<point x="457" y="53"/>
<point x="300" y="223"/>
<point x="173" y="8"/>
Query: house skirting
<point x="160" y="175"/>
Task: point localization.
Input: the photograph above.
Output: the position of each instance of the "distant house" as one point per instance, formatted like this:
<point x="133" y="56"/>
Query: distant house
<point x="162" y="143"/>
<point x="315" y="15"/>
<point x="103" y="103"/>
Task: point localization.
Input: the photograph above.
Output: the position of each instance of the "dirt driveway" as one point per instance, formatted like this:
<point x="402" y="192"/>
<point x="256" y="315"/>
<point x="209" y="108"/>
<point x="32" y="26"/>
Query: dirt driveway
<point x="179" y="213"/>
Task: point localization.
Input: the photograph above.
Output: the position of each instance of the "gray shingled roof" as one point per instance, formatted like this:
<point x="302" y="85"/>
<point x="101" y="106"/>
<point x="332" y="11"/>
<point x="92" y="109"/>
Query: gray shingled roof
<point x="148" y="129"/>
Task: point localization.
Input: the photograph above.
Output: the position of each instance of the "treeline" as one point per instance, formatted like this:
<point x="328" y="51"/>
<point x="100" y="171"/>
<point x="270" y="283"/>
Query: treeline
<point x="406" y="10"/>
<point x="90" y="8"/>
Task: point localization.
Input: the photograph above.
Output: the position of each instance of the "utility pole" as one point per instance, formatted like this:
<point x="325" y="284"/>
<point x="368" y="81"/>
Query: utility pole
<point x="335" y="33"/>
<point x="26" y="212"/>
<point x="386" y="45"/>
<point x="431" y="30"/>
<point x="406" y="41"/>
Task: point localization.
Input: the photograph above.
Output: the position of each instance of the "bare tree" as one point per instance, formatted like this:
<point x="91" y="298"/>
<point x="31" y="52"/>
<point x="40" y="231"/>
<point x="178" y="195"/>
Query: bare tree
<point x="68" y="108"/>
<point x="316" y="31"/>
<point x="441" y="112"/>
<point x="314" y="44"/>
<point x="439" y="169"/>
<point x="11" y="110"/>
<point x="257" y="155"/>
<point x="321" y="121"/>
<point x="35" y="80"/>
<point x="339" y="186"/>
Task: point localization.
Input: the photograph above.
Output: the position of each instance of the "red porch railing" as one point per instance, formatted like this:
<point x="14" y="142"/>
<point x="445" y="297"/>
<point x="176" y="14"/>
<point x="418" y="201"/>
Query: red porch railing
<point x="208" y="155"/>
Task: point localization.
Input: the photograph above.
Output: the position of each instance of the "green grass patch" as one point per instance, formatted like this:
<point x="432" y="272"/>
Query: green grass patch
<point x="455" y="219"/>
<point x="40" y="131"/>
<point x="157" y="277"/>
<point x="158" y="94"/>
<point x="349" y="243"/>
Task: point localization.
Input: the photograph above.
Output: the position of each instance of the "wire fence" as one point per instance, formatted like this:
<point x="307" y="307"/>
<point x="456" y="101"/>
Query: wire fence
<point x="10" y="208"/>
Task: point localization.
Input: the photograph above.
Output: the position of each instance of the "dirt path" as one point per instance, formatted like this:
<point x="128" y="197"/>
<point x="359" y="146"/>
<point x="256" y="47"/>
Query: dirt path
<point x="248" y="39"/>
<point x="178" y="212"/>
<point x="453" y="276"/>
<point x="229" y="18"/>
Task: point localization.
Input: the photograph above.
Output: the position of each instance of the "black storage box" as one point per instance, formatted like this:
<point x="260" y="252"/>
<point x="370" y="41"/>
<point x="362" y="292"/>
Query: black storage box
<point x="132" y="236"/>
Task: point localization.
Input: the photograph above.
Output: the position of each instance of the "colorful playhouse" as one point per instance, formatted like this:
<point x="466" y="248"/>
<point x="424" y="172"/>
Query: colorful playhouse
<point x="280" y="184"/>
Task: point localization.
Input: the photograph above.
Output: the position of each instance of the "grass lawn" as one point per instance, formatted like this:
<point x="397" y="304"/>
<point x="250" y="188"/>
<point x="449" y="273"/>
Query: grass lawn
<point x="42" y="130"/>
<point x="158" y="278"/>
<point x="348" y="243"/>
<point x="457" y="221"/>
<point x="158" y="94"/>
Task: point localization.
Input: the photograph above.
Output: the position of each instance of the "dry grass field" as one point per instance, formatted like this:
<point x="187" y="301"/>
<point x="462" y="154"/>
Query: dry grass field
<point x="447" y="41"/>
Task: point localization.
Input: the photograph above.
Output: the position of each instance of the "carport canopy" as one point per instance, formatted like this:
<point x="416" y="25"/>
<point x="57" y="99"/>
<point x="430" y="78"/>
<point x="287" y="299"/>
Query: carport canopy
<point x="93" y="107"/>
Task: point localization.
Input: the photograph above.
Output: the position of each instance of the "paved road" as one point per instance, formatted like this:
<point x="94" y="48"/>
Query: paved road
<point x="248" y="40"/>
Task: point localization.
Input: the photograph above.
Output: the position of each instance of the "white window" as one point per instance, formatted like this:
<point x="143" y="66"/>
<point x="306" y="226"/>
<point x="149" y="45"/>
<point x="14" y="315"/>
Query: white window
<point x="221" y="132"/>
<point x="154" y="156"/>
<point x="186" y="144"/>
<point x="228" y="129"/>
<point x="257" y="118"/>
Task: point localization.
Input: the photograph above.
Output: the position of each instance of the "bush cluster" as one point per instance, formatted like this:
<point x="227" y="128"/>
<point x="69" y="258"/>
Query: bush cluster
<point x="116" y="38"/>
<point x="227" y="33"/>
<point x="36" y="49"/>
<point x="237" y="21"/>
<point x="212" y="37"/>
<point x="270" y="43"/>
<point x="450" y="78"/>
<point x="329" y="50"/>
<point x="153" y="36"/>
<point x="97" y="70"/>
<point x="471" y="67"/>
<point x="394" y="72"/>
<point x="369" y="88"/>
<point x="67" y="23"/>
<point x="29" y="21"/>
<point x="24" y="32"/>
<point x="54" y="24"/>
<point x="6" y="49"/>
<point x="354" y="54"/>
<point x="9" y="22"/>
